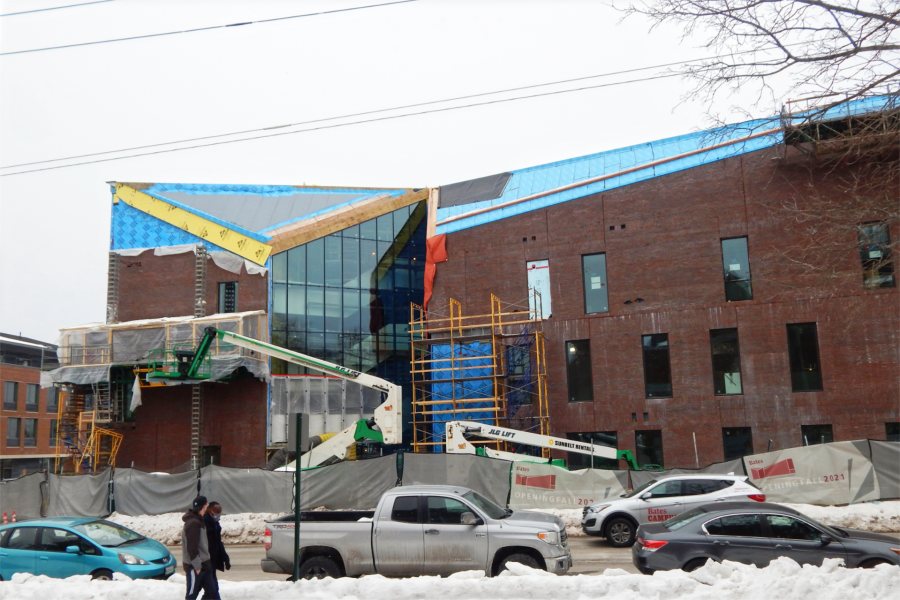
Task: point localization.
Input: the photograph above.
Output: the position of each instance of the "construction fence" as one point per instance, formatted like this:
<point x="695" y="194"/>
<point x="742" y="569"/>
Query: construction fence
<point x="826" y="474"/>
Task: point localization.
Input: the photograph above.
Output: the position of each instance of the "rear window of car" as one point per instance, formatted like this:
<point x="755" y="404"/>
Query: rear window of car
<point x="685" y="518"/>
<point x="19" y="538"/>
<point x="746" y="525"/>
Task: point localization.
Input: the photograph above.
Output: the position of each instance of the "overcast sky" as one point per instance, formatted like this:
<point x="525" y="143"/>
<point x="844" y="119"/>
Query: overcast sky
<point x="94" y="98"/>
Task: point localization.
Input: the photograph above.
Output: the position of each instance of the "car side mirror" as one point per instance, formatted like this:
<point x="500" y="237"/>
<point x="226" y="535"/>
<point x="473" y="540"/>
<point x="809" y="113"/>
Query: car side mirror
<point x="468" y="518"/>
<point x="826" y="539"/>
<point x="73" y="549"/>
<point x="646" y="495"/>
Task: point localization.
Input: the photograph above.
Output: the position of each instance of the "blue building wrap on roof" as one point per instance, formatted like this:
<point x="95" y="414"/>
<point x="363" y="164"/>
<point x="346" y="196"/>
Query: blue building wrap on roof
<point x="625" y="166"/>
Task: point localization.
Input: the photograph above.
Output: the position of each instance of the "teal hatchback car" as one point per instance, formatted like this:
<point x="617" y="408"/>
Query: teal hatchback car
<point x="66" y="546"/>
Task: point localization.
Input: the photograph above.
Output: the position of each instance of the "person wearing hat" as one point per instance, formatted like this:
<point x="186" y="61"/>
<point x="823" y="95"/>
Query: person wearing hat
<point x="195" y="552"/>
<point x="218" y="557"/>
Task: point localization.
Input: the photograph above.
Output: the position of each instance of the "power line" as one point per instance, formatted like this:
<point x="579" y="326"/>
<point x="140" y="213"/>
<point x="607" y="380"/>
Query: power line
<point x="25" y="12"/>
<point x="354" y="115"/>
<point x="206" y="28"/>
<point x="337" y="125"/>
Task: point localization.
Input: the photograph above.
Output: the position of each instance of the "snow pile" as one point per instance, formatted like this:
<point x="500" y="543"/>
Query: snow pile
<point x="782" y="579"/>
<point x="248" y="528"/>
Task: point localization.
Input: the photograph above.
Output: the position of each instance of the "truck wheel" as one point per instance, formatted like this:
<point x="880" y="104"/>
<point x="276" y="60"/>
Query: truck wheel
<point x="525" y="559"/>
<point x="620" y="532"/>
<point x="319" y="567"/>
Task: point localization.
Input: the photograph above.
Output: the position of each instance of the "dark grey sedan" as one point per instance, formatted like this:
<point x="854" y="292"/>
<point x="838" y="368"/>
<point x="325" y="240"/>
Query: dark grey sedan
<point x="754" y="533"/>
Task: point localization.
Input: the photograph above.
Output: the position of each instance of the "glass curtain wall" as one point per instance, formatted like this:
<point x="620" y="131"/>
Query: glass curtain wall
<point x="345" y="297"/>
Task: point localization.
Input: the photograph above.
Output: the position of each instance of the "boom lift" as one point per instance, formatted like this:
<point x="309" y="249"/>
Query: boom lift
<point x="386" y="426"/>
<point x="457" y="443"/>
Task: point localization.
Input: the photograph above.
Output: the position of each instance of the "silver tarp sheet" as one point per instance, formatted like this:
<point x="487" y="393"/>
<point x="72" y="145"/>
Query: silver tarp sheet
<point x="886" y="458"/>
<point x="731" y="467"/>
<point x="248" y="490"/>
<point x="22" y="496"/>
<point x="79" y="495"/>
<point x="140" y="493"/>
<point x="489" y="476"/>
<point x="351" y="484"/>
<point x="545" y="486"/>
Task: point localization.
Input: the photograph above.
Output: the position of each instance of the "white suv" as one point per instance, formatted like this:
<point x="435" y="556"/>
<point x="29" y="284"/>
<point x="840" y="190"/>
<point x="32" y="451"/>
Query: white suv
<point x="659" y="500"/>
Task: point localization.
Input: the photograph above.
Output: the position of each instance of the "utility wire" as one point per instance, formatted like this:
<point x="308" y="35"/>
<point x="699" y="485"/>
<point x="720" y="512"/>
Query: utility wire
<point x="207" y="28"/>
<point x="25" y="12"/>
<point x="357" y="114"/>
<point x="358" y="122"/>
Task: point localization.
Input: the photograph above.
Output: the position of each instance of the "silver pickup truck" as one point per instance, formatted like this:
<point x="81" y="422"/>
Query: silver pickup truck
<point x="418" y="530"/>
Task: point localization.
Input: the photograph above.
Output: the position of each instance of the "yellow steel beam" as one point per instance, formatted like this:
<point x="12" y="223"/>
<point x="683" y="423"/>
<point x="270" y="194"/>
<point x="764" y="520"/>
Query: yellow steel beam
<point x="233" y="241"/>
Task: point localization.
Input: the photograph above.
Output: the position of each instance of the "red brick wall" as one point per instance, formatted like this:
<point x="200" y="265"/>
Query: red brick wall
<point x="152" y="287"/>
<point x="24" y="376"/>
<point x="233" y="417"/>
<point x="662" y="241"/>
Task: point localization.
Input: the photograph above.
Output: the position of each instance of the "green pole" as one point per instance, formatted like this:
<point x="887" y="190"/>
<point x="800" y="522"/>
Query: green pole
<point x="297" y="497"/>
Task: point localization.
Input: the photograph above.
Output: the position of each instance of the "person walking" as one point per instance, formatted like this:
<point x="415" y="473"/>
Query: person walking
<point x="195" y="552"/>
<point x="218" y="557"/>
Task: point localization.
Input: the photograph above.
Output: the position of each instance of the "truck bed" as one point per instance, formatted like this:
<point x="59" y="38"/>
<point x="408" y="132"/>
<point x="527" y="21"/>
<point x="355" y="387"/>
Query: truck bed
<point x="337" y="516"/>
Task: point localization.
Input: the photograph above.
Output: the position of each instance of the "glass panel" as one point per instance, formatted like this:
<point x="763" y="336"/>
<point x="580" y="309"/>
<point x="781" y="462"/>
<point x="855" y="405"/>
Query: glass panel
<point x="386" y="227"/>
<point x="816" y="434"/>
<point x="333" y="261"/>
<point x="279" y="267"/>
<point x="279" y="305"/>
<point x="803" y="351"/>
<point x="368" y="259"/>
<point x="351" y="232"/>
<point x="53" y="426"/>
<point x="367" y="230"/>
<point x="296" y="307"/>
<point x="789" y="528"/>
<point x="32" y="396"/>
<point x="315" y="262"/>
<point x="539" y="281"/>
<point x="10" y="395"/>
<point x="737" y="442"/>
<point x="657" y="373"/>
<point x="726" y="361"/>
<point x="593" y="268"/>
<point x="648" y="448"/>
<point x="333" y="312"/>
<point x="736" y="266"/>
<point x="30" y="432"/>
<point x="578" y="371"/>
<point x="315" y="309"/>
<point x="12" y="431"/>
<point x="875" y="255"/>
<point x="297" y="265"/>
<point x="892" y="432"/>
<point x="736" y="525"/>
<point x="351" y="262"/>
<point x="406" y="509"/>
<point x="53" y="399"/>
<point x="351" y="311"/>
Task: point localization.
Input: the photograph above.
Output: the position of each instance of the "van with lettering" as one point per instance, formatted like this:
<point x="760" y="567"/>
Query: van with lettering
<point x="659" y="500"/>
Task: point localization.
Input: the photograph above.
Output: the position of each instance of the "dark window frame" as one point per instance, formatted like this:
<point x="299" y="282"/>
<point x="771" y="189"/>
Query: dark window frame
<point x="582" y="384"/>
<point x="720" y="388"/>
<point x="14" y="442"/>
<point x="747" y="446"/>
<point x="737" y="287"/>
<point x="822" y="433"/>
<point x="32" y="391"/>
<point x="805" y="369"/>
<point x="651" y="354"/>
<point x="656" y="456"/>
<point x="228" y="296"/>
<point x="875" y="254"/>
<point x="601" y="297"/>
<point x="11" y="404"/>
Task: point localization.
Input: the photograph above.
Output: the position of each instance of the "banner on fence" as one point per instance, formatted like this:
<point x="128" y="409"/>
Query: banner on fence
<point x="536" y="485"/>
<point x="836" y="473"/>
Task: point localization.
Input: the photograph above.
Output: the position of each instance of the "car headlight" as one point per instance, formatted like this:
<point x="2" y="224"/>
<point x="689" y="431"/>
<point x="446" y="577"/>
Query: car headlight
<point x="551" y="537"/>
<point x="131" y="559"/>
<point x="598" y="508"/>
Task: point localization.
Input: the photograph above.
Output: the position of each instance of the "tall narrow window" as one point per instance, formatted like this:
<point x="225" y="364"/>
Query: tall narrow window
<point x="892" y="431"/>
<point x="803" y="351"/>
<point x="53" y="399"/>
<point x="578" y="371"/>
<point x="875" y="254"/>
<point x="648" y="448"/>
<point x="736" y="266"/>
<point x="53" y="431"/>
<point x="816" y="434"/>
<point x="737" y="442"/>
<point x="30" y="432"/>
<point x="539" y="281"/>
<point x="657" y="373"/>
<point x="726" y="361"/>
<point x="10" y="395"/>
<point x="13" y="432"/>
<point x="228" y="296"/>
<point x="32" y="396"/>
<point x="593" y="271"/>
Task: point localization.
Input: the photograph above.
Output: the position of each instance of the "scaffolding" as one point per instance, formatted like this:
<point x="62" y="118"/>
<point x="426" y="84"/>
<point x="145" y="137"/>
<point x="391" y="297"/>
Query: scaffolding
<point x="488" y="368"/>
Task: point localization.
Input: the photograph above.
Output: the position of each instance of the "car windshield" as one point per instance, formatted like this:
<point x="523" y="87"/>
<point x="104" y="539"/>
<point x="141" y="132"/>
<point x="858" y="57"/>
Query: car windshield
<point x="640" y="490"/>
<point x="679" y="521"/>
<point x="108" y="534"/>
<point x="493" y="510"/>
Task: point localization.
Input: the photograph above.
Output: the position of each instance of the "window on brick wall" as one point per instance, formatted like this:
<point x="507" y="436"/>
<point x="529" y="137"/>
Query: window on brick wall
<point x="737" y="442"/>
<point x="13" y="432"/>
<point x="597" y="438"/>
<point x="875" y="254"/>
<point x="892" y="432"/>
<point x="657" y="372"/>
<point x="648" y="447"/>
<point x="29" y="433"/>
<point x="32" y="396"/>
<point x="803" y="352"/>
<point x="726" y="361"/>
<point x="53" y="426"/>
<point x="539" y="281"/>
<point x="578" y="371"/>
<point x="52" y="399"/>
<point x="593" y="271"/>
<point x="228" y="296"/>
<point x="736" y="267"/>
<point x="816" y="434"/>
<point x="10" y="395"/>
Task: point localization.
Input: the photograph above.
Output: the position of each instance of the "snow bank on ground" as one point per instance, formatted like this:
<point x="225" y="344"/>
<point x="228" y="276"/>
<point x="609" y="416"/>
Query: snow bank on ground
<point x="248" y="528"/>
<point x="782" y="579"/>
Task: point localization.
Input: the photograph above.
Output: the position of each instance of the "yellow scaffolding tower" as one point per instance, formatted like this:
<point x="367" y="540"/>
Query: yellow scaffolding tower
<point x="489" y="368"/>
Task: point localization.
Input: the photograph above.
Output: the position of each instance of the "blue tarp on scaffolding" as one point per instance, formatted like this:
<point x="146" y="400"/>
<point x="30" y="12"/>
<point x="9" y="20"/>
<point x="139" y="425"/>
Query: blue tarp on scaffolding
<point x="468" y="370"/>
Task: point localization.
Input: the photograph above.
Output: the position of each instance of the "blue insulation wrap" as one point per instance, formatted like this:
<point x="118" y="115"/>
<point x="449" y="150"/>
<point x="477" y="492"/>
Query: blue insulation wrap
<point x="471" y="382"/>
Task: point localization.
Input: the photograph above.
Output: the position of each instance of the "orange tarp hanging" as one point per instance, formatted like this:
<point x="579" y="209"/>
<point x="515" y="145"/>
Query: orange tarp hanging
<point x="435" y="252"/>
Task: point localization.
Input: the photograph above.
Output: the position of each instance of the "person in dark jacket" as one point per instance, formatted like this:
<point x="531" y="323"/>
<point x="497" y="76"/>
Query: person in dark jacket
<point x="218" y="558"/>
<point x="198" y="569"/>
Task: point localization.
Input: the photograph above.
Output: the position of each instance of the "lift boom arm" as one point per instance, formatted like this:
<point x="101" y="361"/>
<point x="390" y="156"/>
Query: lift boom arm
<point x="457" y="442"/>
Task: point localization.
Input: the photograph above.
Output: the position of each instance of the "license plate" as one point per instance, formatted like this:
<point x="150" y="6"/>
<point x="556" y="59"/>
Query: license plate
<point x="170" y="569"/>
